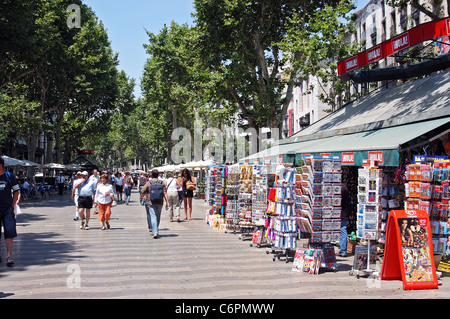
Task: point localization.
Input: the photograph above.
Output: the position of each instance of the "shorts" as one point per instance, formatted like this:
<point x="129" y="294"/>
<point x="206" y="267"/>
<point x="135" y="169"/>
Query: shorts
<point x="8" y="222"/>
<point x="119" y="188"/>
<point x="85" y="202"/>
<point x="188" y="193"/>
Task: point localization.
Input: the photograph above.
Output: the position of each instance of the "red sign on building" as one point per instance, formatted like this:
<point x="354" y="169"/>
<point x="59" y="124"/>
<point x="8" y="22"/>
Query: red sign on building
<point x="374" y="54"/>
<point x="348" y="158"/>
<point x="376" y="156"/>
<point x="401" y="42"/>
<point x="424" y="32"/>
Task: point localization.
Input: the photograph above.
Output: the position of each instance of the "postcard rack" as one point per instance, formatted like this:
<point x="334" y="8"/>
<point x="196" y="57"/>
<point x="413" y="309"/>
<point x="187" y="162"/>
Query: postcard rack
<point x="283" y="230"/>
<point x="245" y="202"/>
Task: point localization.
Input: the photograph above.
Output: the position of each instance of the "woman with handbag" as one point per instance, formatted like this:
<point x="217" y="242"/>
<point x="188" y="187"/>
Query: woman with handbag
<point x="189" y="186"/>
<point x="104" y="196"/>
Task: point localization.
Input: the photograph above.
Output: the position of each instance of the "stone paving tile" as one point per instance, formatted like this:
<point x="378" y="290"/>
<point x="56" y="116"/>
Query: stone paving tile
<point x="57" y="260"/>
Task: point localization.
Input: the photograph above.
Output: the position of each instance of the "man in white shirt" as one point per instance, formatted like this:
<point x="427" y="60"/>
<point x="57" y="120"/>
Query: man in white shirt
<point x="86" y="193"/>
<point x="77" y="180"/>
<point x="95" y="176"/>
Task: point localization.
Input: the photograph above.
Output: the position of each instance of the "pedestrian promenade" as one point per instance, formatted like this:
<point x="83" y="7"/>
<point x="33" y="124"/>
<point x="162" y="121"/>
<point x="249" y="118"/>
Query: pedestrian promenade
<point x="189" y="260"/>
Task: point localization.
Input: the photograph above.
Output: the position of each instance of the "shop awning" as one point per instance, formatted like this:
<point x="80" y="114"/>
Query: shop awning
<point x="381" y="144"/>
<point x="373" y="127"/>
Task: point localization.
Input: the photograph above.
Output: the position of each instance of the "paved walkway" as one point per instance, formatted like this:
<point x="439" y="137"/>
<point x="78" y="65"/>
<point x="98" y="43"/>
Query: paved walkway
<point x="55" y="259"/>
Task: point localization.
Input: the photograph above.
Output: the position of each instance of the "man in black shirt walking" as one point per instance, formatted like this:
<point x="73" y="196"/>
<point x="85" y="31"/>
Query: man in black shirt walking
<point x="9" y="198"/>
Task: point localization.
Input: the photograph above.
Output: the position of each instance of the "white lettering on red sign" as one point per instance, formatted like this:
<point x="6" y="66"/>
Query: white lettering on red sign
<point x="411" y="212"/>
<point x="423" y="222"/>
<point x="348" y="158"/>
<point x="376" y="156"/>
<point x="351" y="64"/>
<point x="374" y="54"/>
<point x="400" y="42"/>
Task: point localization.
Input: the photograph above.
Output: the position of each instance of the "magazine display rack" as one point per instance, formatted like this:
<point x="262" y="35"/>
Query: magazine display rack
<point x="318" y="207"/>
<point x="283" y="227"/>
<point x="210" y="186"/>
<point x="216" y="195"/>
<point x="369" y="220"/>
<point x="369" y="203"/>
<point x="232" y="215"/>
<point x="245" y="202"/>
<point x="391" y="198"/>
<point x="261" y="176"/>
<point x="428" y="189"/>
<point x="364" y="257"/>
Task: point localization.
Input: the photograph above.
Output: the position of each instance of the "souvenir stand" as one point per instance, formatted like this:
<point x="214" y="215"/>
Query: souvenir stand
<point x="370" y="182"/>
<point x="282" y="227"/>
<point x="210" y="186"/>
<point x="318" y="205"/>
<point x="216" y="196"/>
<point x="261" y="179"/>
<point x="245" y="202"/>
<point x="428" y="189"/>
<point x="233" y="186"/>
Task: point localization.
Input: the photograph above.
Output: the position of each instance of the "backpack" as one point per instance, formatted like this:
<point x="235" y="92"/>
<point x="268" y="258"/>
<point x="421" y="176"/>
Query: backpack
<point x="156" y="192"/>
<point x="8" y="177"/>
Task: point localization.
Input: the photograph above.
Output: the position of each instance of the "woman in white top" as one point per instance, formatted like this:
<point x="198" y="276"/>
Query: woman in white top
<point x="171" y="184"/>
<point x="103" y="199"/>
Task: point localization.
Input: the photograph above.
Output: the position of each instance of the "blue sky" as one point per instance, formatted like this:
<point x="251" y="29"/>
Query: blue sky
<point x="127" y="20"/>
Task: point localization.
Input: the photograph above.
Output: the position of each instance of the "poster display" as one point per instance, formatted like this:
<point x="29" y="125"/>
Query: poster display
<point x="408" y="252"/>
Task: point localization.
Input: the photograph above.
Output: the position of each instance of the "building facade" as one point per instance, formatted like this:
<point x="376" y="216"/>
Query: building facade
<point x="378" y="21"/>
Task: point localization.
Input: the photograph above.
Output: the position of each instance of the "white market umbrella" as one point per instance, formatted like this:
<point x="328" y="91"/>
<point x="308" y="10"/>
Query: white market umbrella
<point x="54" y="166"/>
<point x="27" y="163"/>
<point x="10" y="161"/>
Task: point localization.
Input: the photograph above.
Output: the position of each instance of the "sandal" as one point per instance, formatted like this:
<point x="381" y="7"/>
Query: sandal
<point x="9" y="262"/>
<point x="107" y="225"/>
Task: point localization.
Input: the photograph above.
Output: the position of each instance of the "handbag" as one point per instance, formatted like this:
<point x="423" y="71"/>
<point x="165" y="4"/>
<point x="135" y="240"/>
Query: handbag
<point x="190" y="186"/>
<point x="114" y="203"/>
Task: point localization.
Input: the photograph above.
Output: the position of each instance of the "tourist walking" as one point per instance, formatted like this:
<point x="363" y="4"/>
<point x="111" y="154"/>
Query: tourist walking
<point x="9" y="198"/>
<point x="95" y="178"/>
<point x="142" y="180"/>
<point x="76" y="180"/>
<point x="60" y="180"/>
<point x="180" y="189"/>
<point x="172" y="196"/>
<point x="128" y="182"/>
<point x="119" y="186"/>
<point x="86" y="191"/>
<point x="189" y="185"/>
<point x="104" y="196"/>
<point x="155" y="194"/>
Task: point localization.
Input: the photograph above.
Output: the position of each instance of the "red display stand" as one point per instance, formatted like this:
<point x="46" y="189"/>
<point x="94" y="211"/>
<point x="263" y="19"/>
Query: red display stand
<point x="408" y="254"/>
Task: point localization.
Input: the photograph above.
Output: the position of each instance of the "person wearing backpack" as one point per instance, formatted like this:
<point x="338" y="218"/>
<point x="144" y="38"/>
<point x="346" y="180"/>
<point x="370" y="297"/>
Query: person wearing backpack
<point x="155" y="193"/>
<point x="9" y="198"/>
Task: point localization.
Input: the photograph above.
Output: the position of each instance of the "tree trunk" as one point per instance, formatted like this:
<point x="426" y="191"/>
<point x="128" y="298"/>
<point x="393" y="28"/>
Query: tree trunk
<point x="49" y="147"/>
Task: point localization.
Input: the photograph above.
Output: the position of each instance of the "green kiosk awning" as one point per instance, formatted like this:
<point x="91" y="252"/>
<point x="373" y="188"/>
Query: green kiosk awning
<point x="380" y="144"/>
